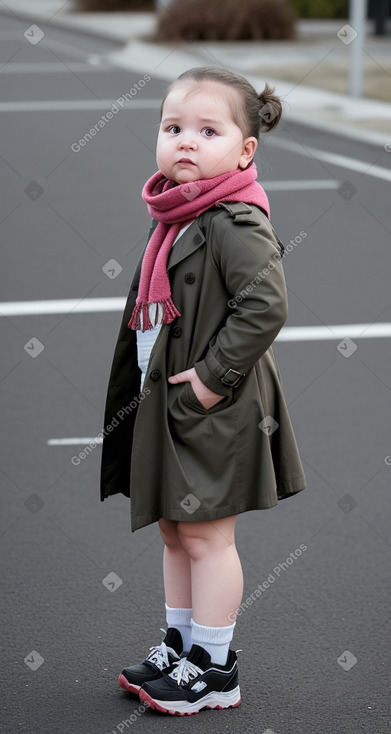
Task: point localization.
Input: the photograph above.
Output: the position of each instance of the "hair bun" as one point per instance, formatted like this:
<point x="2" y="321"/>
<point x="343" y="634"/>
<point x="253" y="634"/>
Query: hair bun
<point x="270" y="110"/>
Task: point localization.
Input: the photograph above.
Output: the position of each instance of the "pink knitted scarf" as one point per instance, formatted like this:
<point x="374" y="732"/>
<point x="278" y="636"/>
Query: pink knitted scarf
<point x="172" y="205"/>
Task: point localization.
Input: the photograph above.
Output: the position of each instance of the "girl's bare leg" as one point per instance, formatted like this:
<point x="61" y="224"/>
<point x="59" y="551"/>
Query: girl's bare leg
<point x="176" y="567"/>
<point x="216" y="571"/>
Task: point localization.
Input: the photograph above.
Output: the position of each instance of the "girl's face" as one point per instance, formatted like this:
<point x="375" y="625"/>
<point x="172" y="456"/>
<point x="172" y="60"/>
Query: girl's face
<point x="197" y="136"/>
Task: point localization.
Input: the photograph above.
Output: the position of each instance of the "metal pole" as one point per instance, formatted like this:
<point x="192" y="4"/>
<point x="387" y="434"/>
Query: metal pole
<point x="357" y="19"/>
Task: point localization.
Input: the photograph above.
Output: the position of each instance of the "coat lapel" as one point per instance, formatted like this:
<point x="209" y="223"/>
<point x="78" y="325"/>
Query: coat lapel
<point x="190" y="241"/>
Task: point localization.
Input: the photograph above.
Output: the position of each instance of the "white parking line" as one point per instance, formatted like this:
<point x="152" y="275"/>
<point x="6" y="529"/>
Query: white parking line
<point x="69" y="50"/>
<point x="76" y="104"/>
<point x="334" y="331"/>
<point x="294" y="185"/>
<point x="335" y="159"/>
<point x="106" y="305"/>
<point x="52" y="67"/>
<point x="67" y="305"/>
<point x="73" y="441"/>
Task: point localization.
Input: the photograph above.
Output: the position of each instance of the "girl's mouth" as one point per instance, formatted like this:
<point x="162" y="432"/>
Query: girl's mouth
<point x="185" y="162"/>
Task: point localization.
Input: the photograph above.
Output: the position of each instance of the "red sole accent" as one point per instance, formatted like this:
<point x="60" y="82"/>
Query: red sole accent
<point x="124" y="683"/>
<point x="146" y="698"/>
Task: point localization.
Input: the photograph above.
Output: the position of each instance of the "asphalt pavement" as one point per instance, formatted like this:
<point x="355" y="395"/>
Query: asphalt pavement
<point x="81" y="595"/>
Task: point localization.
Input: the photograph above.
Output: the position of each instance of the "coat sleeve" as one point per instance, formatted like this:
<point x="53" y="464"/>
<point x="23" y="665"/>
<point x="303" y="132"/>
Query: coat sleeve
<point x="248" y="257"/>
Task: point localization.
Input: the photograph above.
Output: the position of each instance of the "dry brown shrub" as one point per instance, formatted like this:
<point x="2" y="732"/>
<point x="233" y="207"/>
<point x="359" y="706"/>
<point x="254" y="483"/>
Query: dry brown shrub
<point x="226" y="20"/>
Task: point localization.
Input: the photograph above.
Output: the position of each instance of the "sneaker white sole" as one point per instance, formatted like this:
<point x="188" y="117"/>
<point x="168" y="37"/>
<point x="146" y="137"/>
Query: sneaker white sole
<point x="212" y="700"/>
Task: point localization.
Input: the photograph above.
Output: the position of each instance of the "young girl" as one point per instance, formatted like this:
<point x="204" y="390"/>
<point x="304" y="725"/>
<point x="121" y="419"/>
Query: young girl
<point x="196" y="425"/>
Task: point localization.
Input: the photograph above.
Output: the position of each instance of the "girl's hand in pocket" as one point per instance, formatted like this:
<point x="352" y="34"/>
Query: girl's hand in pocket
<point x="207" y="397"/>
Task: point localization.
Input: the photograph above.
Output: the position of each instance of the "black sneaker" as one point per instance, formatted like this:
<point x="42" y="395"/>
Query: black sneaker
<point x="194" y="683"/>
<point x="158" y="662"/>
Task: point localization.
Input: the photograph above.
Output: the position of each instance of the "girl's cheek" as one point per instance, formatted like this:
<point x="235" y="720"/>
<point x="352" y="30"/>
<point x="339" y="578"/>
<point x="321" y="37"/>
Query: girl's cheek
<point x="163" y="164"/>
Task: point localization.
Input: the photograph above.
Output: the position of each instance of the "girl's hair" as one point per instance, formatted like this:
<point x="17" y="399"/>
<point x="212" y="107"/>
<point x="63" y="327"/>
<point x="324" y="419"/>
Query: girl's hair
<point x="257" y="113"/>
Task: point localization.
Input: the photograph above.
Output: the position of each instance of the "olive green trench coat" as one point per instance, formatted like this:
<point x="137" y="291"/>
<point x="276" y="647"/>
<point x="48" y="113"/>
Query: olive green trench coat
<point x="161" y="447"/>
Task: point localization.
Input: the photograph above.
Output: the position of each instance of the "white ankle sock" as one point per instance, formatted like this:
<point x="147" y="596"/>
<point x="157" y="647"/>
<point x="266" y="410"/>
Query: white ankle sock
<point x="215" y="640"/>
<point x="181" y="619"/>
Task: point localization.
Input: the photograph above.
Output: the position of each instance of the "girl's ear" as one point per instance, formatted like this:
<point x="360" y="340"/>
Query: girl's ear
<point x="248" y="151"/>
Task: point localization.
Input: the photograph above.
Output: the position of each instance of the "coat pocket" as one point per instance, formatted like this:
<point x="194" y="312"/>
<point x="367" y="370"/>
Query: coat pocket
<point x="190" y="396"/>
<point x="188" y="417"/>
<point x="205" y="445"/>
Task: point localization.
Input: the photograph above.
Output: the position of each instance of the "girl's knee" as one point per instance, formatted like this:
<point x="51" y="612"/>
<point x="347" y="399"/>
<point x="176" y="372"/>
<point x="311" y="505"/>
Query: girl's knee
<point x="200" y="539"/>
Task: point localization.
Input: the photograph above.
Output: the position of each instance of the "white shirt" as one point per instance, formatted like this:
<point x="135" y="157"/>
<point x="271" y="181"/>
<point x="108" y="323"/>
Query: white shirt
<point x="146" y="339"/>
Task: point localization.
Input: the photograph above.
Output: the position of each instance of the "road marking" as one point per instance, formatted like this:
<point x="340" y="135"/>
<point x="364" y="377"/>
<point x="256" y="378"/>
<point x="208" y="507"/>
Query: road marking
<point x="335" y="331"/>
<point x="70" y="50"/>
<point x="335" y="159"/>
<point x="50" y="68"/>
<point x="77" y="104"/>
<point x="73" y="441"/>
<point x="106" y="305"/>
<point x="67" y="305"/>
<point x="294" y="185"/>
<point x="74" y="51"/>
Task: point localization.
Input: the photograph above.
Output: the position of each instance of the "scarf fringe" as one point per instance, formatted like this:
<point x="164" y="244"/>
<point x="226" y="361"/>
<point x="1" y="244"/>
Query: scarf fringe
<point x="135" y="319"/>
<point x="169" y="313"/>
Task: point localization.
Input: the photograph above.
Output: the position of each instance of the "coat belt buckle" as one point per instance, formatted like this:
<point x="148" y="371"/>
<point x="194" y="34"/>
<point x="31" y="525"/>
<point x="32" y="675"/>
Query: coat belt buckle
<point x="230" y="379"/>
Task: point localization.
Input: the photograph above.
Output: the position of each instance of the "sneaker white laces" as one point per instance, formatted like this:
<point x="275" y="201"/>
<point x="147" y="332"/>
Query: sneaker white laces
<point x="159" y="656"/>
<point x="185" y="671"/>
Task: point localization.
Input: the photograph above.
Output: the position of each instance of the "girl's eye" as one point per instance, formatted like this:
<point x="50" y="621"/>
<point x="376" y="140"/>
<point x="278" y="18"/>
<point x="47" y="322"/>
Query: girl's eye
<point x="209" y="132"/>
<point x="174" y="129"/>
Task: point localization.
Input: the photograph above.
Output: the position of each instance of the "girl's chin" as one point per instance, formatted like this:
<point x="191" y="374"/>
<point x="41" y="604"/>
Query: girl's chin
<point x="185" y="176"/>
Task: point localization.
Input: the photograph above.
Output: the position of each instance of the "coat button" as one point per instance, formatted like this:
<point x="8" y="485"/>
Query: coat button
<point x="190" y="278"/>
<point x="155" y="375"/>
<point x="176" y="331"/>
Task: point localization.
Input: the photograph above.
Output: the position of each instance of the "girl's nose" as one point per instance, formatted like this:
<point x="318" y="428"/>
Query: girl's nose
<point x="187" y="143"/>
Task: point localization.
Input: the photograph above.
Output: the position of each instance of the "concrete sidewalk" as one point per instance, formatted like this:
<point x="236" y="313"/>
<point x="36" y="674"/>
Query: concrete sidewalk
<point x="317" y="56"/>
